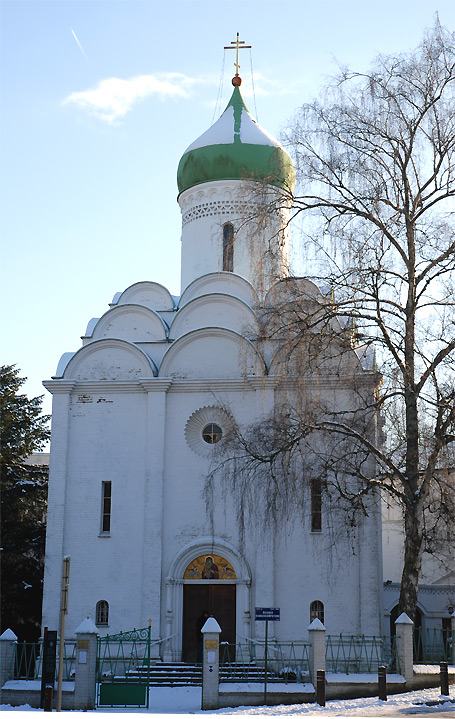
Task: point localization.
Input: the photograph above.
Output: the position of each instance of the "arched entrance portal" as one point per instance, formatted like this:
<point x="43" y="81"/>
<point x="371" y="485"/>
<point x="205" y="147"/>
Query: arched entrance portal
<point x="207" y="574"/>
<point x="208" y="591"/>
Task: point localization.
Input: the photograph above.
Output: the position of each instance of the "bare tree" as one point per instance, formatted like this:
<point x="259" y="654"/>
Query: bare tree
<point x="376" y="185"/>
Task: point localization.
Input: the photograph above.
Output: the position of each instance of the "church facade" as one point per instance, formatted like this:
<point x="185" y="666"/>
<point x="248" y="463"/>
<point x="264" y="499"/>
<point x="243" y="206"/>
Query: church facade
<point x="142" y="408"/>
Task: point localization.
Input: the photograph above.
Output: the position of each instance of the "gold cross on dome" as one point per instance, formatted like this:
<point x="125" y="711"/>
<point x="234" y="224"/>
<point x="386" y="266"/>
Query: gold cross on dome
<point x="238" y="45"/>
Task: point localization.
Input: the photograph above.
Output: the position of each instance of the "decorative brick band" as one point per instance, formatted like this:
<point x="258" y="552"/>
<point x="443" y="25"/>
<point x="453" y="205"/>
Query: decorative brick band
<point x="215" y="208"/>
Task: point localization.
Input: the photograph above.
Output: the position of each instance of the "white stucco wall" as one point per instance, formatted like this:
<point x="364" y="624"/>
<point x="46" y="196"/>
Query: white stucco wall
<point x="115" y="420"/>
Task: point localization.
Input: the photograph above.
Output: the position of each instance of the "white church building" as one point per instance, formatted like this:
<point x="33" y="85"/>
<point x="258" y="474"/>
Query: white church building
<point x="140" y="410"/>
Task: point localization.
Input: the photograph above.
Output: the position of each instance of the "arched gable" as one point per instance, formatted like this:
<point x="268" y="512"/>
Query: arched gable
<point x="223" y="283"/>
<point x="215" y="310"/>
<point x="134" y="323"/>
<point x="109" y="359"/>
<point x="293" y="288"/>
<point x="211" y="353"/>
<point x="150" y="294"/>
<point x="209" y="545"/>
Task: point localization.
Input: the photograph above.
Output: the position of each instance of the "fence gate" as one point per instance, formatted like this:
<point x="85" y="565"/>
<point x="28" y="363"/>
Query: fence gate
<point x="123" y="669"/>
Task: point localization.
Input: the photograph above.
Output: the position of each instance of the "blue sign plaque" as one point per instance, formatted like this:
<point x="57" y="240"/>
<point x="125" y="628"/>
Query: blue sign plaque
<point x="271" y="614"/>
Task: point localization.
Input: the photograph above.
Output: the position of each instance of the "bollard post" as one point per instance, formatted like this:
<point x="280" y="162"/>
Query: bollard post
<point x="211" y="664"/>
<point x="382" y="683"/>
<point x="48" y="666"/>
<point x="444" y="678"/>
<point x="48" y="697"/>
<point x="320" y="687"/>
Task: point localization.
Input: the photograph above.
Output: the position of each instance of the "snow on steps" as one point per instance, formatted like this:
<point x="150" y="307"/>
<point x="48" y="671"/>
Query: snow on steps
<point x="182" y="674"/>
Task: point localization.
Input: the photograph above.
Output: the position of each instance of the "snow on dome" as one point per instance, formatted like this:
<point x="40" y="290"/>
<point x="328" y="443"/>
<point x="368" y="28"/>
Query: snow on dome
<point x="236" y="147"/>
<point x="220" y="133"/>
<point x="252" y="133"/>
<point x="223" y="131"/>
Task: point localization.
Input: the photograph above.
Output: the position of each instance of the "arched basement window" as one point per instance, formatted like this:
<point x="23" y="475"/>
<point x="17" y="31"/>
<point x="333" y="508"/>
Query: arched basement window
<point x="317" y="611"/>
<point x="228" y="247"/>
<point x="102" y="612"/>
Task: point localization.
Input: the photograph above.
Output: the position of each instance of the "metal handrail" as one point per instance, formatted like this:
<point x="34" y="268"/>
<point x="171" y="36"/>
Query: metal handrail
<point x="249" y="639"/>
<point x="158" y="641"/>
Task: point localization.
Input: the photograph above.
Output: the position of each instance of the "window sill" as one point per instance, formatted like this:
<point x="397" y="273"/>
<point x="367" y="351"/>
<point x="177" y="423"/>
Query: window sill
<point x="104" y="534"/>
<point x="316" y="531"/>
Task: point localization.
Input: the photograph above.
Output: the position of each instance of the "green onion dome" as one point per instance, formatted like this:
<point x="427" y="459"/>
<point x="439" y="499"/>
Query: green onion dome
<point x="236" y="147"/>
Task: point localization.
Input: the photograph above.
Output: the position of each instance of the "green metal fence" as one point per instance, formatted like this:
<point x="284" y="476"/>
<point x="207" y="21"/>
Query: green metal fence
<point x="351" y="654"/>
<point x="290" y="661"/>
<point x="286" y="661"/>
<point x="123" y="668"/>
<point x="433" y="646"/>
<point x="28" y="658"/>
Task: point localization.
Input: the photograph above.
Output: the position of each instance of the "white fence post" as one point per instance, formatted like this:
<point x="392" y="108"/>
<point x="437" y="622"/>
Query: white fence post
<point x="316" y="634"/>
<point x="85" y="679"/>
<point x="211" y="664"/>
<point x="8" y="641"/>
<point x="405" y="648"/>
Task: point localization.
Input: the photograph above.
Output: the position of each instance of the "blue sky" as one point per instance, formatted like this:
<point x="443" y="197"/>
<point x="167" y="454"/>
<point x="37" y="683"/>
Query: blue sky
<point x="99" y="100"/>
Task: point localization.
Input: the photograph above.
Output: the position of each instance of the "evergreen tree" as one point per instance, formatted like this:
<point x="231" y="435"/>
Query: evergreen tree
<point x="24" y="430"/>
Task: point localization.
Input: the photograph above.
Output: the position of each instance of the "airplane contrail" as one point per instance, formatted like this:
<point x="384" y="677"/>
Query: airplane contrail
<point x="79" y="44"/>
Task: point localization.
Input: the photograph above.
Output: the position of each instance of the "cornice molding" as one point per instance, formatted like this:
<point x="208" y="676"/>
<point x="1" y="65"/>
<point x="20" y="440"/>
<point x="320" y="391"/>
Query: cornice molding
<point x="236" y="384"/>
<point x="59" y="386"/>
<point x="330" y="381"/>
<point x="240" y="580"/>
<point x="262" y="383"/>
<point x="156" y="385"/>
<point x="211" y="385"/>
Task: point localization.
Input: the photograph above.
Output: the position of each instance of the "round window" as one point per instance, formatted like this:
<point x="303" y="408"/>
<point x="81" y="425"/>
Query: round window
<point x="206" y="427"/>
<point x="212" y="433"/>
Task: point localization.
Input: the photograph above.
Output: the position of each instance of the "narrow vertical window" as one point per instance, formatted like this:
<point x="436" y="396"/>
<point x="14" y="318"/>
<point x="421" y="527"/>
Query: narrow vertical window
<point x="228" y="247"/>
<point x="317" y="611"/>
<point x="106" y="507"/>
<point x="102" y="612"/>
<point x="316" y="505"/>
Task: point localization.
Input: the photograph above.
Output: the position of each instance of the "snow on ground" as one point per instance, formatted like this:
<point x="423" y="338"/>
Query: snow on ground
<point x="179" y="701"/>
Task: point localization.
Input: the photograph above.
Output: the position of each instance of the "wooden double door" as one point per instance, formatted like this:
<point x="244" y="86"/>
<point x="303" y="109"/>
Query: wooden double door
<point x="199" y="600"/>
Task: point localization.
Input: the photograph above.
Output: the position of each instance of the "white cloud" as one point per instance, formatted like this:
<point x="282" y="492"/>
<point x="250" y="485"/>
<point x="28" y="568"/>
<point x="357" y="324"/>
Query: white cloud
<point x="113" y="98"/>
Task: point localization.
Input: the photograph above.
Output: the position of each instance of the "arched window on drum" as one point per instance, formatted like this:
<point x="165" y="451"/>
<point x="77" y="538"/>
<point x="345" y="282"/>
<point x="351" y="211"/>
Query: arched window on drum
<point x="228" y="247"/>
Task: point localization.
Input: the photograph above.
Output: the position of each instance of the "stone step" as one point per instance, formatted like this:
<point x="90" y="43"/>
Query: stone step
<point x="180" y="674"/>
